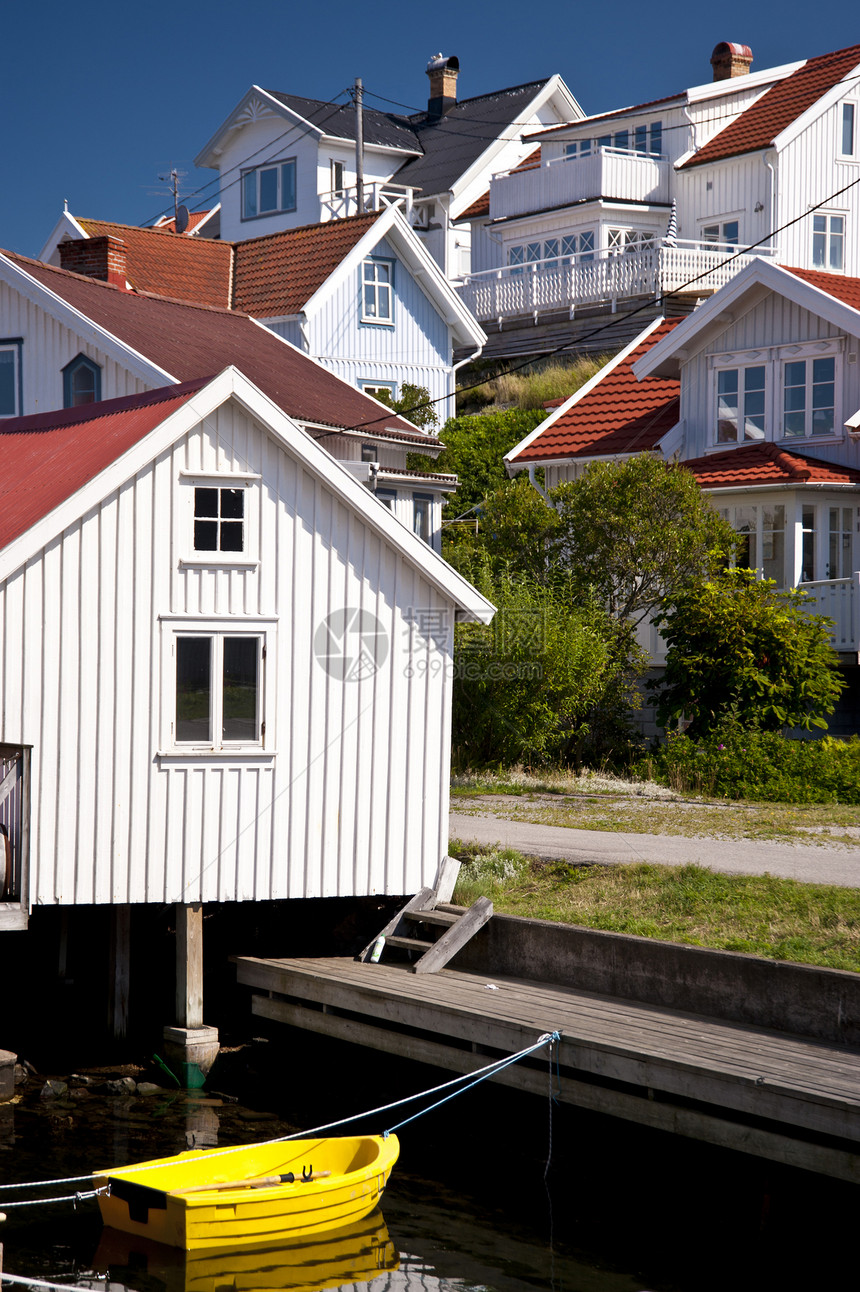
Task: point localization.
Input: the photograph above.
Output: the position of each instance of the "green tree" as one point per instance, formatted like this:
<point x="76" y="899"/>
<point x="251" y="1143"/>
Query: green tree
<point x="413" y="402"/>
<point x="741" y="650"/>
<point x="636" y="532"/>
<point x="474" y="448"/>
<point x="539" y="684"/>
<point x="510" y="529"/>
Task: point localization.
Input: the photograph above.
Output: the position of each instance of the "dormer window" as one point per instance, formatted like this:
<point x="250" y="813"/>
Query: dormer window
<point x="82" y="382"/>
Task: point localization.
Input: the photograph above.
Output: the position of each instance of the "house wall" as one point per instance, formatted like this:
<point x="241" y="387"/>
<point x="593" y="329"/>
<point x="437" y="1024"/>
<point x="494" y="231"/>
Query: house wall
<point x="416" y="348"/>
<point x="48" y="346"/>
<point x="809" y="172"/>
<point x="724" y="191"/>
<point x="349" y="795"/>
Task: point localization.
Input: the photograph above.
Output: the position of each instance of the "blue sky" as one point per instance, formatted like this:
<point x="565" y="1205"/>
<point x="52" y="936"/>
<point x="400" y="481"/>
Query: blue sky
<point x="99" y="100"/>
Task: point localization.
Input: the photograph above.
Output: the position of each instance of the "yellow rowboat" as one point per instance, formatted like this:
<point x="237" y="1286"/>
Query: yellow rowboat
<point x="266" y="1193"/>
<point x="354" y="1254"/>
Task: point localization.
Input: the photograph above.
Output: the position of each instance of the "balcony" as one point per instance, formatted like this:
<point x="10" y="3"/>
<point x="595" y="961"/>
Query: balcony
<point x="340" y="203"/>
<point x="839" y="600"/>
<point x="603" y="277"/>
<point x="613" y="173"/>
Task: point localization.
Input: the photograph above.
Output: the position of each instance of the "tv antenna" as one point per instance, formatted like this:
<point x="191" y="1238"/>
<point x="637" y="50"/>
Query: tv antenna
<point x="180" y="212"/>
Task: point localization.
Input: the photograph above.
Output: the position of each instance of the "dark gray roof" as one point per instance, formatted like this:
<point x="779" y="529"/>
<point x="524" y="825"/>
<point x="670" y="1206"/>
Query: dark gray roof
<point x="448" y="145"/>
<point x="384" y="128"/>
<point x="452" y="143"/>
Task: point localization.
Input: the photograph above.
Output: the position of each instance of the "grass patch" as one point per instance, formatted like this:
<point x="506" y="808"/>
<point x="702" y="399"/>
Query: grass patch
<point x="779" y="919"/>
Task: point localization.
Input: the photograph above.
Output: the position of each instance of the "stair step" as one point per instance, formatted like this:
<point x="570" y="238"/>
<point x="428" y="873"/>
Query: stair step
<point x="407" y="944"/>
<point x="431" y="917"/>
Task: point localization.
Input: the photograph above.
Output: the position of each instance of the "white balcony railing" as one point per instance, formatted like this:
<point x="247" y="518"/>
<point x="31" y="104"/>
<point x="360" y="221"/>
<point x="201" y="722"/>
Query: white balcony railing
<point x="604" y="276"/>
<point x="342" y="202"/>
<point x="839" y="600"/>
<point x="616" y="173"/>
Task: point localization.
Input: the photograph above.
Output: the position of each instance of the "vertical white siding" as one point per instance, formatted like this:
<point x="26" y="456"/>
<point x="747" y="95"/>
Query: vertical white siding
<point x="352" y="798"/>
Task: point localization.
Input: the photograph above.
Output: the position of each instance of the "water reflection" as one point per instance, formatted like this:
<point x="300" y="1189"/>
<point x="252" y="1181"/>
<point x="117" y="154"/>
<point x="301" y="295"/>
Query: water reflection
<point x="354" y="1254"/>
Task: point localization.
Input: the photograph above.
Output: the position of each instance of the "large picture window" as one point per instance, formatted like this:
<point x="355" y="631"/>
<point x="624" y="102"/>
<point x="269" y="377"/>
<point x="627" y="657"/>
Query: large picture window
<point x="218" y="690"/>
<point x="269" y="189"/>
<point x="791" y="393"/>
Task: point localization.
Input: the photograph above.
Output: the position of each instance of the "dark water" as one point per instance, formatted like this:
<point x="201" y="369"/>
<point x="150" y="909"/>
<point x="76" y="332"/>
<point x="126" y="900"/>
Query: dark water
<point x="495" y="1191"/>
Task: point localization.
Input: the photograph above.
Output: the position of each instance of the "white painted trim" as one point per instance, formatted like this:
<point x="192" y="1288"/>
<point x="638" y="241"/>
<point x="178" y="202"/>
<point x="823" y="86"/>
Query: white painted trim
<point x="66" y="224"/>
<point x="510" y="457"/>
<point x="35" y="292"/>
<point x="759" y="273"/>
<point x="318" y="461"/>
<point x="230" y="123"/>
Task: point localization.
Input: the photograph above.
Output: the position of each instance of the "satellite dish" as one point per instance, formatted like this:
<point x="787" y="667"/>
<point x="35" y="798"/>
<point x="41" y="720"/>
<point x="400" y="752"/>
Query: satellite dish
<point x="182" y="218"/>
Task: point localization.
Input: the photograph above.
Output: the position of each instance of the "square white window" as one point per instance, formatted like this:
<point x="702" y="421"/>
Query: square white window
<point x="269" y="189"/>
<point x="218" y="689"/>
<point x="809" y="397"/>
<point x="10" y="378"/>
<point x="377" y="304"/>
<point x="828" y="242"/>
<point x="740" y="404"/>
<point x="219" y="519"/>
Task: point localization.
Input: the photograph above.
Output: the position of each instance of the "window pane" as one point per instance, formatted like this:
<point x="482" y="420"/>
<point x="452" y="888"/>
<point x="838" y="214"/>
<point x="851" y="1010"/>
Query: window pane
<point x="807" y="571"/>
<point x="641" y="139"/>
<point x="754" y="403"/>
<point x="206" y="502"/>
<point x="8" y="392"/>
<point x="605" y="141"/>
<point x="206" y="536"/>
<point x="656" y="137"/>
<point x="622" y="139"/>
<point x="837" y="230"/>
<point x="193" y="689"/>
<point x="727" y="406"/>
<point x="232" y="536"/>
<point x="269" y="189"/>
<point x="848" y="129"/>
<point x="249" y="194"/>
<point x="232" y="503"/>
<point x="288" y="184"/>
<point x="83" y="385"/>
<point x="239" y="720"/>
<point x="731" y="232"/>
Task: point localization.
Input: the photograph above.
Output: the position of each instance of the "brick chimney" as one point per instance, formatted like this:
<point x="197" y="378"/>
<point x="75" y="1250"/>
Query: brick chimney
<point x="103" y="258"/>
<point x="443" y="73"/>
<point x="729" y="60"/>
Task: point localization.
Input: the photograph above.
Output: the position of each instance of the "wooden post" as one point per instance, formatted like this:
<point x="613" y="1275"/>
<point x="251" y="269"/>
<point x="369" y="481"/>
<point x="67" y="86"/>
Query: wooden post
<point x="120" y="971"/>
<point x="189" y="965"/>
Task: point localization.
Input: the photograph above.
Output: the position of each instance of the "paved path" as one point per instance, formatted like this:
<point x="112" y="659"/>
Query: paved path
<point x="820" y="864"/>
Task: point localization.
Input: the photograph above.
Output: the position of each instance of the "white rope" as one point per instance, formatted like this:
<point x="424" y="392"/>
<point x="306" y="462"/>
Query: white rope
<point x="71" y="1197"/>
<point x="43" y="1184"/>
<point x="40" y="1283"/>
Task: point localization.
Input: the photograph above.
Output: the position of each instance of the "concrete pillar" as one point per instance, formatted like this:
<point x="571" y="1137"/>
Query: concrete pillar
<point x="190" y="1047"/>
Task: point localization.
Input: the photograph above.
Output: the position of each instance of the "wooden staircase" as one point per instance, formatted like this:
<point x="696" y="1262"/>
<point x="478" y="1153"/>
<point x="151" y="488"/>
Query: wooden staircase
<point x="433" y="933"/>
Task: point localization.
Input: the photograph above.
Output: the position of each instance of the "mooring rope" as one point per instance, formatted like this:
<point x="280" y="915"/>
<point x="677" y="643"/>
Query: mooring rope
<point x="70" y="1197"/>
<point x="40" y="1283"/>
<point x="473" y="1078"/>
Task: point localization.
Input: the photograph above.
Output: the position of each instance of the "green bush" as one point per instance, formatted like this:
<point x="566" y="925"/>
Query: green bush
<point x="764" y="765"/>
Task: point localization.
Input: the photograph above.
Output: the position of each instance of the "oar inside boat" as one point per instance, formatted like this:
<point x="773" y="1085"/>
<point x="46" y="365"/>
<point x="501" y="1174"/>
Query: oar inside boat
<point x="263" y="1182"/>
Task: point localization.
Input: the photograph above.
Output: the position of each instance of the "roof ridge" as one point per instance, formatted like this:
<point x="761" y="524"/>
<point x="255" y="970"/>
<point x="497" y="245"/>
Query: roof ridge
<point x="55" y="418"/>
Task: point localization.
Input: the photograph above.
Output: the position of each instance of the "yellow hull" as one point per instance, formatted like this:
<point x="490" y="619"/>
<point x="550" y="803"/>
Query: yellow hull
<point x="354" y="1254"/>
<point x="146" y="1199"/>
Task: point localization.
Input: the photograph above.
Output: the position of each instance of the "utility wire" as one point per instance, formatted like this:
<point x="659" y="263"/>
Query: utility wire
<point x="617" y="319"/>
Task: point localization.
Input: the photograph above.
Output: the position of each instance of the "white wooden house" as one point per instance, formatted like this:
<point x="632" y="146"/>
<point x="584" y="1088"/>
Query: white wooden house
<point x="225" y="668"/>
<point x="361" y="295"/>
<point x="66" y="338"/>
<point x="285" y="160"/>
<point x="757" y="392"/>
<point x="672" y="197"/>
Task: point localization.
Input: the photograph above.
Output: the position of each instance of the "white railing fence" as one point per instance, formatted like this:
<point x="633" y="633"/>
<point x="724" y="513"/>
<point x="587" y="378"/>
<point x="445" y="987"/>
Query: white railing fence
<point x="839" y="600"/>
<point x="342" y="202"/>
<point x="600" y="277"/>
<point x="604" y="172"/>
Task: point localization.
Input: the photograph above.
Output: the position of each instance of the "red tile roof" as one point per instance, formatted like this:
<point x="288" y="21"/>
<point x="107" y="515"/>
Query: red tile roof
<point x="766" y="464"/>
<point x="842" y="288"/>
<point x="191" y="341"/>
<point x="279" y="273"/>
<point x="170" y="264"/>
<point x="778" y="107"/>
<point x="194" y="219"/>
<point x="618" y="415"/>
<point x="477" y="209"/>
<point x="48" y="457"/>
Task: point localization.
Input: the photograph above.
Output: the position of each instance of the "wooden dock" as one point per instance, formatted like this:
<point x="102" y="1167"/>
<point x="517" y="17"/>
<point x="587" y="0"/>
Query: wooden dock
<point x="762" y="1092"/>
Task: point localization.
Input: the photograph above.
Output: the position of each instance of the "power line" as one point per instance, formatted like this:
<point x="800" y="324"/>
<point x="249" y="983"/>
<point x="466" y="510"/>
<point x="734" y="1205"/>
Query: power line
<point x="616" y="320"/>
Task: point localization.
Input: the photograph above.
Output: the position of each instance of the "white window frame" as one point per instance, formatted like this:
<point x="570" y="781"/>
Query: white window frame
<point x="422" y="505"/>
<point x="808" y="410"/>
<point x="380" y="290"/>
<point x="373" y="387"/>
<point x="337" y="177"/>
<point x="190" y="481"/>
<point x="718" y="231"/>
<point x="622" y="241"/>
<point x="774" y="360"/>
<point x="261" y="629"/>
<point x="279" y="167"/>
<point x="829" y="239"/>
<point x="14" y="345"/>
<point x="848" y="109"/>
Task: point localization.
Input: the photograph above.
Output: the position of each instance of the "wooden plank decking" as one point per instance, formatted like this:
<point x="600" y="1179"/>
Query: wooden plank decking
<point x="764" y="1092"/>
